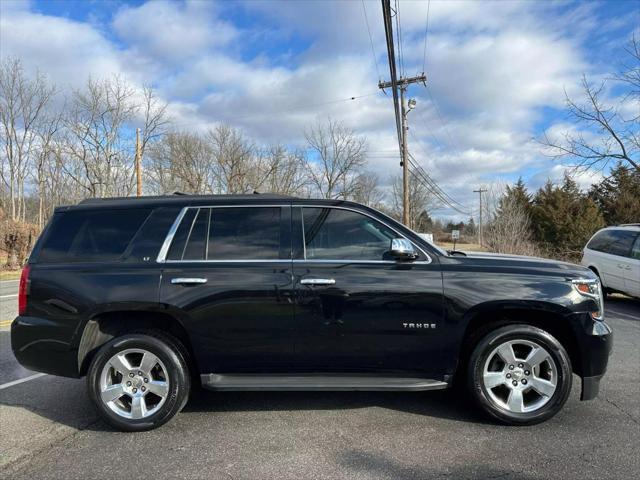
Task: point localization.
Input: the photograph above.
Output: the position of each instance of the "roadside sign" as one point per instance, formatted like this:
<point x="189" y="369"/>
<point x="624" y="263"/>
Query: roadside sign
<point x="455" y="234"/>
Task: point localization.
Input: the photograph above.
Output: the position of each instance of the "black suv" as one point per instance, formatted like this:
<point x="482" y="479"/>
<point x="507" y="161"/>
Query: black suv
<point x="264" y="292"/>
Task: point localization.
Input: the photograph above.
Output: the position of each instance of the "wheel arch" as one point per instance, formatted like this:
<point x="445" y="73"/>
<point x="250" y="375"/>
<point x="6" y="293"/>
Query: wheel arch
<point x="549" y="317"/>
<point x="106" y="325"/>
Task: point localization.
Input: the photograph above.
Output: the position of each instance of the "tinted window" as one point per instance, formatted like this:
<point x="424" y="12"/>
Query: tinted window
<point x="196" y="246"/>
<point x="336" y="234"/>
<point x="251" y="233"/>
<point x="615" y="242"/>
<point x="635" y="251"/>
<point x="78" y="236"/>
<point x="244" y="233"/>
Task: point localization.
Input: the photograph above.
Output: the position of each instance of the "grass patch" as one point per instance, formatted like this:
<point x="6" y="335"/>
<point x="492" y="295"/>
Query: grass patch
<point x="9" y="274"/>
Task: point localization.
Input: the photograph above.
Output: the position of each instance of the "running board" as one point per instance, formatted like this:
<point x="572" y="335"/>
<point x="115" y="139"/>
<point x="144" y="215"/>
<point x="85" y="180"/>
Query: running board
<point x="270" y="382"/>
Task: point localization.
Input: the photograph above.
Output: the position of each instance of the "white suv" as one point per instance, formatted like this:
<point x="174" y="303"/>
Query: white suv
<point x="613" y="253"/>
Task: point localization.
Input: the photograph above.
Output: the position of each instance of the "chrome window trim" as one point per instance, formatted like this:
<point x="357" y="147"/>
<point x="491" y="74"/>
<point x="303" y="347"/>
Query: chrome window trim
<point x="164" y="249"/>
<point x="162" y="255"/>
<point x="257" y="260"/>
<point x="339" y="207"/>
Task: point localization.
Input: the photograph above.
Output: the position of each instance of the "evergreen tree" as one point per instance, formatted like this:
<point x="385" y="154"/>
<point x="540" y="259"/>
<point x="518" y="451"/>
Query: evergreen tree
<point x="618" y="196"/>
<point x="471" y="227"/>
<point x="515" y="195"/>
<point x="564" y="218"/>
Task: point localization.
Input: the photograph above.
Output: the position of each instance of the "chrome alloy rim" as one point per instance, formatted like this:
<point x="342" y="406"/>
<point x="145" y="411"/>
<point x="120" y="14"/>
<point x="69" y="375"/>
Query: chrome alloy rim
<point x="134" y="383"/>
<point x="520" y="376"/>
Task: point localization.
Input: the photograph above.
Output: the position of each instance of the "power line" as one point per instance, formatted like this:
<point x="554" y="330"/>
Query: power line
<point x="373" y="51"/>
<point x="443" y="202"/>
<point x="444" y="125"/>
<point x="426" y="154"/>
<point x="426" y="31"/>
<point x="399" y="36"/>
<point x="436" y="189"/>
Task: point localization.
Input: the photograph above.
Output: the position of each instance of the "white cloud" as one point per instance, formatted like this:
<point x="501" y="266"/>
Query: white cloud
<point x="492" y="67"/>
<point x="65" y="50"/>
<point x="172" y="32"/>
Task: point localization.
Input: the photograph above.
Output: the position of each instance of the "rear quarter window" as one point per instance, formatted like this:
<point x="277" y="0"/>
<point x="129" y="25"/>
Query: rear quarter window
<point x="90" y="235"/>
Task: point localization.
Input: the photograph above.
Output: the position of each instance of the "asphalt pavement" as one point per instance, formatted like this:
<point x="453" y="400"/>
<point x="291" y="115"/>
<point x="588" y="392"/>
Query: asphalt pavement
<point x="49" y="430"/>
<point x="8" y="300"/>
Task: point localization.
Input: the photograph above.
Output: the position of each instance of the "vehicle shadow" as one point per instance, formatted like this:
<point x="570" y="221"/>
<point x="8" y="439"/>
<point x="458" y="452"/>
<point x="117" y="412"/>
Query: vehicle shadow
<point x="65" y="401"/>
<point x="447" y="404"/>
<point x="379" y="465"/>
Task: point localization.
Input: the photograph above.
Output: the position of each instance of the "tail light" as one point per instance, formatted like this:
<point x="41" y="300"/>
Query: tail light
<point x="23" y="290"/>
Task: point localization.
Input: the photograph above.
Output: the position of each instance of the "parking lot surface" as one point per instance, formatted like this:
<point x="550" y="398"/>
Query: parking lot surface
<point x="49" y="430"/>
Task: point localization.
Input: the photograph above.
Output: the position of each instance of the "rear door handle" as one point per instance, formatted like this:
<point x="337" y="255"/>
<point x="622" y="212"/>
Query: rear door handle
<point x="317" y="281"/>
<point x="188" y="281"/>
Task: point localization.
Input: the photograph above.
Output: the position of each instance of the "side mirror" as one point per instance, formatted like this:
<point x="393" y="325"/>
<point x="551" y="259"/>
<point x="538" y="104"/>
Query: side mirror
<point x="402" y="249"/>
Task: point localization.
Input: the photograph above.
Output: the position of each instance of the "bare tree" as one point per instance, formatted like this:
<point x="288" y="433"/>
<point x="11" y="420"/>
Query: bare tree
<point x="282" y="171"/>
<point x="421" y="202"/>
<point x="337" y="155"/>
<point x="180" y="162"/>
<point x="508" y="229"/>
<point x="618" y="137"/>
<point x="367" y="190"/>
<point x="23" y="104"/>
<point x="234" y="158"/>
<point x="46" y="151"/>
<point x="99" y="145"/>
<point x="154" y="112"/>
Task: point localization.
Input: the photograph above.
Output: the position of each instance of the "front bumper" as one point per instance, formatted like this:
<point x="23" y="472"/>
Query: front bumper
<point x="595" y="343"/>
<point x="43" y="346"/>
<point x="590" y="387"/>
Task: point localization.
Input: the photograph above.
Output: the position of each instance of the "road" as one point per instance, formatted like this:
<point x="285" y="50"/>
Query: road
<point x="8" y="300"/>
<point x="49" y="430"/>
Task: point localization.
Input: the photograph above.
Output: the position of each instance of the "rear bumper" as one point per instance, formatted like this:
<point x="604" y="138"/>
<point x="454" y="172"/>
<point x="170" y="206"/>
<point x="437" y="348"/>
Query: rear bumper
<point x="43" y="345"/>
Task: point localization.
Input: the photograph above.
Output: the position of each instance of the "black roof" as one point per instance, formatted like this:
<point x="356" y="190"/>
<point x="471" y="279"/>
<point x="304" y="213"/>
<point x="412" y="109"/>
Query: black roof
<point x="182" y="200"/>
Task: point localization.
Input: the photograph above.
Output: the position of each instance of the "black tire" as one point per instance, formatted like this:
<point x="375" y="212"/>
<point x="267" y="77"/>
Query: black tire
<point x="518" y="332"/>
<point x="172" y="355"/>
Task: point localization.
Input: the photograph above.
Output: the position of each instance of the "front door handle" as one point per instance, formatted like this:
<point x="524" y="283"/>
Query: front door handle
<point x="188" y="281"/>
<point x="317" y="281"/>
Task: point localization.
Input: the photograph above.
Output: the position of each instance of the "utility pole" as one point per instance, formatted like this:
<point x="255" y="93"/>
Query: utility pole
<point x="138" y="164"/>
<point x="480" y="191"/>
<point x="402" y="84"/>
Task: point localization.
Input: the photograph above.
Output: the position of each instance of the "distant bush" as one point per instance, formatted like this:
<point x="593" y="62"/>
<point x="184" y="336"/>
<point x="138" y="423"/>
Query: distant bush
<point x="17" y="240"/>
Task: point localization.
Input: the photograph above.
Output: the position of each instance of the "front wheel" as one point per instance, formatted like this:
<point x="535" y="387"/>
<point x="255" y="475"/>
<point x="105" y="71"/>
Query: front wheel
<point x="520" y="375"/>
<point x="139" y="381"/>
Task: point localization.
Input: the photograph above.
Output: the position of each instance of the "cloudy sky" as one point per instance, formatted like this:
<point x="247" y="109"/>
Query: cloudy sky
<point x="497" y="71"/>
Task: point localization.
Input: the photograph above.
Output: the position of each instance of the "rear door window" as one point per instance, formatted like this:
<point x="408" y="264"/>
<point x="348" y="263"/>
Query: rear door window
<point x="219" y="233"/>
<point x="91" y="235"/>
<point x="245" y="233"/>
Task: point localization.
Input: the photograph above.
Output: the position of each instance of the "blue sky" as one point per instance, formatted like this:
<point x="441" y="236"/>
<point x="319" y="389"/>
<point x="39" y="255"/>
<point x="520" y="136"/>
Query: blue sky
<point x="497" y="71"/>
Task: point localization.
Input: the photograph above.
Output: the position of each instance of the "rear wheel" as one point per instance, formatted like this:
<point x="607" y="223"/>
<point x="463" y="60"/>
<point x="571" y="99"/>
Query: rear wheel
<point x="139" y="381"/>
<point x="520" y="375"/>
